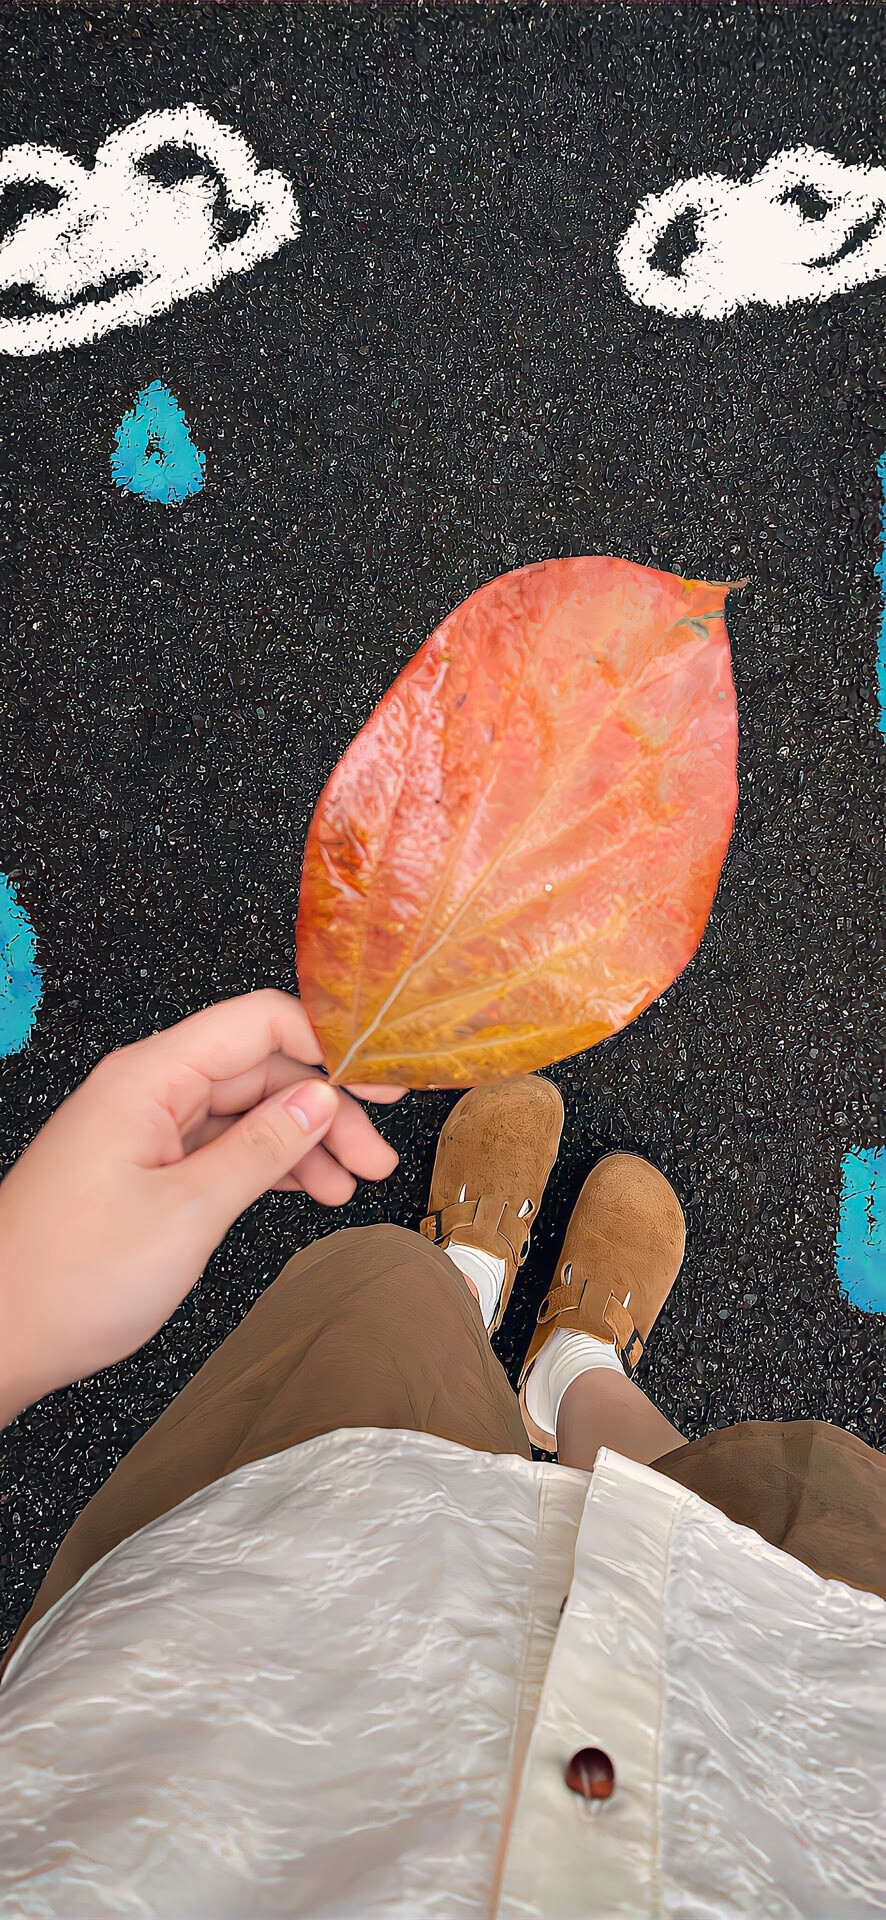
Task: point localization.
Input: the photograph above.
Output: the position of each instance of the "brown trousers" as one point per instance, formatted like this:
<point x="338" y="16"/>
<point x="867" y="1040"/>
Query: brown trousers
<point x="372" y="1327"/>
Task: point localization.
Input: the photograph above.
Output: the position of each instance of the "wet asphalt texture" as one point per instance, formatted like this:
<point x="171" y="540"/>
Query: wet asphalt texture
<point x="442" y="379"/>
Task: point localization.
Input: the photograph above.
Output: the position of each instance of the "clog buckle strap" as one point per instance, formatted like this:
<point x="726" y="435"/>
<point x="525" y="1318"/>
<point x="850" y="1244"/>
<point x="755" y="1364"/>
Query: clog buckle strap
<point x="566" y="1297"/>
<point x="491" y="1219"/>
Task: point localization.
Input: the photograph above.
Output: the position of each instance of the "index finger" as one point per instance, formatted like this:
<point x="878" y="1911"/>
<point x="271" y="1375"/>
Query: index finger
<point x="233" y="1036"/>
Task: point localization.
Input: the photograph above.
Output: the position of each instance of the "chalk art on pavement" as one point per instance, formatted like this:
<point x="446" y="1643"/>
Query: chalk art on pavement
<point x="861" y="1240"/>
<point x="803" y="228"/>
<point x="19" y="977"/>
<point x="154" y="455"/>
<point x="174" y="203"/>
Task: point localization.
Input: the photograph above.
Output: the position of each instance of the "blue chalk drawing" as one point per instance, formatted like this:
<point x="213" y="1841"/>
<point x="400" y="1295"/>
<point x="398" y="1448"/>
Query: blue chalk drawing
<point x="154" y="455"/>
<point x="19" y="978"/>
<point x="881" y="576"/>
<point x="861" y="1238"/>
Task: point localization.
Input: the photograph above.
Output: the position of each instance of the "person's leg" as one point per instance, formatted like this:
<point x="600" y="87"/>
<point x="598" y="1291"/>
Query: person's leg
<point x="814" y="1491"/>
<point x="602" y="1408"/>
<point x="811" y="1490"/>
<point x="817" y="1493"/>
<point x="369" y="1327"/>
<point x="375" y="1327"/>
<point x="621" y="1255"/>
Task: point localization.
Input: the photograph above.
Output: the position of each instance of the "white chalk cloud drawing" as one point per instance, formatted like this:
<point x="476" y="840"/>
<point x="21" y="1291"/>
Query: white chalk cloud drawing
<point x="173" y="203"/>
<point x="805" y="227"/>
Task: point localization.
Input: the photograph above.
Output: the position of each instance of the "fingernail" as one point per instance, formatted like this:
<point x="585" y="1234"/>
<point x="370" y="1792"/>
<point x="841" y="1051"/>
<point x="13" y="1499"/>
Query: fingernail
<point x="311" y="1105"/>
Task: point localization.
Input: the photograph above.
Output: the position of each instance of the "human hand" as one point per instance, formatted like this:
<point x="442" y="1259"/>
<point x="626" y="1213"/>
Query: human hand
<point x="111" y="1214"/>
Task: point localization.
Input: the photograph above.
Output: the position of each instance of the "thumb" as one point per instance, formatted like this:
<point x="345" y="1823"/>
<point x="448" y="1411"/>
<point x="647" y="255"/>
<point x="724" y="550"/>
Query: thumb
<point x="258" y="1150"/>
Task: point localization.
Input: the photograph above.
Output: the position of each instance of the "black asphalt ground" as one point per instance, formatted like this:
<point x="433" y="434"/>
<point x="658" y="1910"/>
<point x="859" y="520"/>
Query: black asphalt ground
<point x="440" y="379"/>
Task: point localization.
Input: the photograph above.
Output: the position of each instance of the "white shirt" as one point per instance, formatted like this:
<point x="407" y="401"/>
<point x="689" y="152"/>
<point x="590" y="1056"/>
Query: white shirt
<point x="337" y="1685"/>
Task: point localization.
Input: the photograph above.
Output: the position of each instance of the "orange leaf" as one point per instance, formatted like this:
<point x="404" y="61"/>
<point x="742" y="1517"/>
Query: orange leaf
<point x="519" y="850"/>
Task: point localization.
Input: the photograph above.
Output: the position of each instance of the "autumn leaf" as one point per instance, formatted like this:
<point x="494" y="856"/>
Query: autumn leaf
<point x="520" y="849"/>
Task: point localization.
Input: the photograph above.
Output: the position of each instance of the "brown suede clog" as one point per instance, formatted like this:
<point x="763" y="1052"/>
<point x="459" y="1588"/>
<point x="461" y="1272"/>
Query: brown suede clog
<point x="622" y="1253"/>
<point x="494" y="1155"/>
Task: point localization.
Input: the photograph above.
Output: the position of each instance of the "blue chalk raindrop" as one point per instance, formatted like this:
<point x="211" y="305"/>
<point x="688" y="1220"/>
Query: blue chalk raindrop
<point x="154" y="455"/>
<point x="19" y="978"/>
<point x="861" y="1239"/>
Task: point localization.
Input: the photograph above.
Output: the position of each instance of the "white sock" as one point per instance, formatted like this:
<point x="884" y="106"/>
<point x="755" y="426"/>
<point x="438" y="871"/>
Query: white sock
<point x="487" y="1273"/>
<point x="561" y="1360"/>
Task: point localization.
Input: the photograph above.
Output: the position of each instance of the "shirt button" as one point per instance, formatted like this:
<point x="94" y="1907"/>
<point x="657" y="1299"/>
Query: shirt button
<point x="590" y="1772"/>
